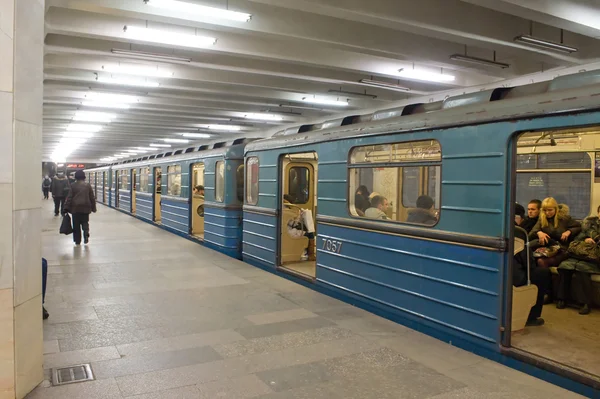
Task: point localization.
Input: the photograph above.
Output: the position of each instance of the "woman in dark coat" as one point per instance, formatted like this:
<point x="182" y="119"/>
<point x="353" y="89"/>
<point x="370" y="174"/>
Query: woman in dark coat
<point x="80" y="203"/>
<point x="554" y="226"/>
<point x="584" y="268"/>
<point x="361" y="200"/>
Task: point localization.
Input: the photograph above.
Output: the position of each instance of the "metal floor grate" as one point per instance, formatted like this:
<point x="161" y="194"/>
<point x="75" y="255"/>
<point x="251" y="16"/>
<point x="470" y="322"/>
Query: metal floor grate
<point x="72" y="374"/>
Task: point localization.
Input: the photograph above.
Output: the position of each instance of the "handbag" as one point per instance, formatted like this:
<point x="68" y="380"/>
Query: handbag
<point x="584" y="251"/>
<point x="547" y="252"/>
<point x="66" y="227"/>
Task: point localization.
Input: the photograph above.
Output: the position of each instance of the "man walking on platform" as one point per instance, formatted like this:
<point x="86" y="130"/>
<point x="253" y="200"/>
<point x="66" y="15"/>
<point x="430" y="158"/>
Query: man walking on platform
<point x="60" y="190"/>
<point x="80" y="203"/>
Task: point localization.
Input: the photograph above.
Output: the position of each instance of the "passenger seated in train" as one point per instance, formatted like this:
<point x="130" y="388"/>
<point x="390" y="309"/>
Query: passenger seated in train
<point x="520" y="215"/>
<point x="553" y="231"/>
<point x="379" y="205"/>
<point x="423" y="213"/>
<point x="198" y="191"/>
<point x="584" y="260"/>
<point x="540" y="277"/>
<point x="300" y="224"/>
<point x="533" y="214"/>
<point x="361" y="200"/>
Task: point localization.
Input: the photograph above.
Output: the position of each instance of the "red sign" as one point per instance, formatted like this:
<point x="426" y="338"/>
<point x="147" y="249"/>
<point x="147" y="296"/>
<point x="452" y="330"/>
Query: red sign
<point x="75" y="165"/>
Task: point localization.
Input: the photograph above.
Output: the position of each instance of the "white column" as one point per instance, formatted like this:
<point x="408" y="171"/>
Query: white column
<point x="21" y="96"/>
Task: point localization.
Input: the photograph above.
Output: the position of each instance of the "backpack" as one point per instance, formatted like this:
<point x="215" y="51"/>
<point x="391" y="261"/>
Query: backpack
<point x="47" y="182"/>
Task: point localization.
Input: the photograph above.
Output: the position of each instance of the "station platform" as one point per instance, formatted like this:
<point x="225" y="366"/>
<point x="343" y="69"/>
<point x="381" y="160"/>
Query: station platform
<point x="160" y="317"/>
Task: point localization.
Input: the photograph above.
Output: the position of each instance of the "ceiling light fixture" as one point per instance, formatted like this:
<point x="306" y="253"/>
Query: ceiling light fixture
<point x="181" y="141"/>
<point x="425" y="75"/>
<point x="231" y="128"/>
<point x="76" y="127"/>
<point x="149" y="56"/>
<point x="146" y="148"/>
<point x="110" y="97"/>
<point x="72" y="141"/>
<point x="78" y="135"/>
<point x="479" y="61"/>
<point x="196" y="135"/>
<point x="101" y="104"/>
<point x="324" y="101"/>
<point x="137" y="70"/>
<point x="136" y="151"/>
<point x="165" y="37"/>
<point x="127" y="82"/>
<point x="264" y="117"/>
<point x="204" y="11"/>
<point x="86" y="116"/>
<point x="160" y="145"/>
<point x="383" y="85"/>
<point x="547" y="44"/>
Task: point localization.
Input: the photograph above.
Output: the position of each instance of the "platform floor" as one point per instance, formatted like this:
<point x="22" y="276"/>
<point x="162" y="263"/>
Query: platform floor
<point x="161" y="317"/>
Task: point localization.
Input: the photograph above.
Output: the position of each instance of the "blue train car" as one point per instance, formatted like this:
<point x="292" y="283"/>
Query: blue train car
<point x="433" y="248"/>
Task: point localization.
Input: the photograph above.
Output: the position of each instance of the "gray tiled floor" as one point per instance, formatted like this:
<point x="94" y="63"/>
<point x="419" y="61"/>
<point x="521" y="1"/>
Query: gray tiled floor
<point x="160" y="317"/>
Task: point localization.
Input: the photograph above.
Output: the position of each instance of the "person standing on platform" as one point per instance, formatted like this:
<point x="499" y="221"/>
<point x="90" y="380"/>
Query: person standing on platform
<point x="80" y="203"/>
<point x="60" y="189"/>
<point x="46" y="183"/>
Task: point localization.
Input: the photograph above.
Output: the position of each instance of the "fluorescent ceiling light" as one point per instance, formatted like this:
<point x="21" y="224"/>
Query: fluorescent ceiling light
<point x="138" y="70"/>
<point x="324" y="101"/>
<point x="72" y="141"/>
<point x="204" y="11"/>
<point x="129" y="153"/>
<point x="100" y="104"/>
<point x="384" y="85"/>
<point x="136" y="151"/>
<point x="60" y="165"/>
<point x="120" y="156"/>
<point x="479" y="61"/>
<point x="161" y="145"/>
<point x="108" y="159"/>
<point x="86" y="116"/>
<point x="166" y="37"/>
<point x="146" y="148"/>
<point x="109" y="97"/>
<point x="547" y="44"/>
<point x="196" y="135"/>
<point x="127" y="82"/>
<point x="182" y="141"/>
<point x="76" y="127"/>
<point x="264" y="117"/>
<point x="78" y="135"/>
<point x="144" y="55"/>
<point x="230" y="128"/>
<point x="425" y="76"/>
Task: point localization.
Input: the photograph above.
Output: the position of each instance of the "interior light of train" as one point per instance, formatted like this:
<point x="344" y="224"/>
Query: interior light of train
<point x="77" y="127"/>
<point x="127" y="81"/>
<point x="425" y="75"/>
<point x="138" y="70"/>
<point x="204" y="11"/>
<point x="231" y="128"/>
<point x="196" y="135"/>
<point x="165" y="37"/>
<point x="87" y="116"/>
<point x="182" y="141"/>
<point x="264" y="117"/>
<point x="160" y="145"/>
<point x="324" y="101"/>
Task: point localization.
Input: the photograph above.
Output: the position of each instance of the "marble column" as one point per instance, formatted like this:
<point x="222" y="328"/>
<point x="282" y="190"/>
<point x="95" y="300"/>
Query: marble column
<point x="21" y="97"/>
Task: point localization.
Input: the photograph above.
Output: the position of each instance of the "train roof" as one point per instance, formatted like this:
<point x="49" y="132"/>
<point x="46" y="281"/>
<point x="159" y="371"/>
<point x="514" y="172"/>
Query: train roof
<point x="567" y="93"/>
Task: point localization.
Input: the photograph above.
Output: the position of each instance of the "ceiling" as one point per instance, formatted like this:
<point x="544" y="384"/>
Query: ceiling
<point x="288" y="54"/>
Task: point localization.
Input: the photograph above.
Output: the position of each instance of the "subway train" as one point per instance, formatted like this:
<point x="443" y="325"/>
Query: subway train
<point x="294" y="204"/>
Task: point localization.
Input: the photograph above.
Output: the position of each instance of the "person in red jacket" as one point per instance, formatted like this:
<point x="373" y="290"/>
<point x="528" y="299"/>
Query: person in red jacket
<point x="80" y="203"/>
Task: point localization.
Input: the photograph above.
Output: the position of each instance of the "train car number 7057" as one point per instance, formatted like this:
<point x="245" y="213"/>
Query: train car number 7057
<point x="332" y="245"/>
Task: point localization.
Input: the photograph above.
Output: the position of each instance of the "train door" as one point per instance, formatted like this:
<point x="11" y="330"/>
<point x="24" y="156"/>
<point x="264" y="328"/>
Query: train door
<point x="298" y="209"/>
<point x="157" y="193"/>
<point x="133" y="189"/>
<point x="105" y="187"/>
<point x="197" y="200"/>
<point x="117" y="187"/>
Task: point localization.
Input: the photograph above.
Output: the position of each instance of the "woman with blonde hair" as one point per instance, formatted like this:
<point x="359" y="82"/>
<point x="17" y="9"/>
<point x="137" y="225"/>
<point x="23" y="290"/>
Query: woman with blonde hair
<point x="554" y="227"/>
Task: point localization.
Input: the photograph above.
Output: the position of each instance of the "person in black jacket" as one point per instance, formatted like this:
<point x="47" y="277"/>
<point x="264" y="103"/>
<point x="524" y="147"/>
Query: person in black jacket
<point x="423" y="213"/>
<point x="533" y="214"/>
<point x="80" y="203"/>
<point x="361" y="200"/>
<point x="60" y="190"/>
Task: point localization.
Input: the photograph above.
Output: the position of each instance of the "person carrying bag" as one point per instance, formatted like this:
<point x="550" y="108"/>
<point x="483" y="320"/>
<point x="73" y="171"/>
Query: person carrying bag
<point x="80" y="203"/>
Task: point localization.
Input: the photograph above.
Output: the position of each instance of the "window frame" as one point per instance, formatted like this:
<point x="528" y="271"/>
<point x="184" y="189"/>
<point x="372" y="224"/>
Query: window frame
<point x="248" y="185"/>
<point x="350" y="166"/>
<point x="219" y="187"/>
<point x="170" y="175"/>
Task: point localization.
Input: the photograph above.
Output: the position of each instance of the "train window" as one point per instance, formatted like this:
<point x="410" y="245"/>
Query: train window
<point x="385" y="184"/>
<point x="239" y="183"/>
<point x="123" y="180"/>
<point x="144" y="175"/>
<point x="220" y="181"/>
<point x="174" y="180"/>
<point x="299" y="185"/>
<point x="252" y="181"/>
<point x="198" y="175"/>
